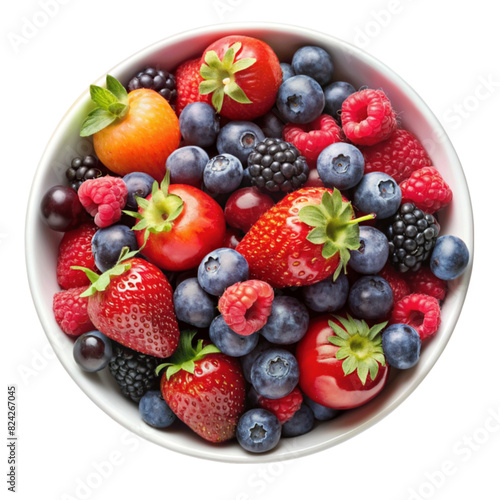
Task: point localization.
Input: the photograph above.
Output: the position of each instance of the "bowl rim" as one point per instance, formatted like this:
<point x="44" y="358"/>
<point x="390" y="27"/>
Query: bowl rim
<point x="287" y="452"/>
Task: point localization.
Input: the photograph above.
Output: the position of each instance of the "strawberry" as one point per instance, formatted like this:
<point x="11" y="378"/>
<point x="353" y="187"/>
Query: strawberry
<point x="188" y="78"/>
<point x="131" y="303"/>
<point x="303" y="239"/>
<point x="204" y="388"/>
<point x="242" y="75"/>
<point x="131" y="132"/>
<point x="75" y="249"/>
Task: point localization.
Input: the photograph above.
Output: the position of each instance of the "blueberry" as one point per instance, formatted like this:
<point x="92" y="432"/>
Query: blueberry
<point x="238" y="138"/>
<point x="186" y="165"/>
<point x="223" y="174"/>
<point x="221" y="268"/>
<point x="92" y="351"/>
<point x="314" y="62"/>
<point x="288" y="321"/>
<point x="228" y="341"/>
<point x="322" y="413"/>
<point x="301" y="422"/>
<point x="271" y="124"/>
<point x="335" y="94"/>
<point x="193" y="305"/>
<point x="372" y="253"/>
<point x="370" y="297"/>
<point x="341" y="165"/>
<point x="401" y="345"/>
<point x="199" y="124"/>
<point x="287" y="71"/>
<point x="248" y="360"/>
<point x="107" y="244"/>
<point x="258" y="430"/>
<point x="155" y="411"/>
<point x="377" y="193"/>
<point x="449" y="257"/>
<point x="300" y="99"/>
<point x="327" y="295"/>
<point x="275" y="373"/>
<point x="138" y="183"/>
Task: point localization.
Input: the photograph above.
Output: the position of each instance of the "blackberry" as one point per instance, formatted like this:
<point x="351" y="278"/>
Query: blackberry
<point x="156" y="79"/>
<point x="412" y="235"/>
<point x="276" y="165"/>
<point x="134" y="371"/>
<point x="84" y="168"/>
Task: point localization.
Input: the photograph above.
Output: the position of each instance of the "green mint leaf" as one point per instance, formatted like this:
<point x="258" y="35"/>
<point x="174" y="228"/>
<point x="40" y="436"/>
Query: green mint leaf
<point x="102" y="97"/>
<point x="96" y="121"/>
<point x="117" y="89"/>
<point x="118" y="109"/>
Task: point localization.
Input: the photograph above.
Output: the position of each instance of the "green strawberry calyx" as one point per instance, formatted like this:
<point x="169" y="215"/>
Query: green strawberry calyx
<point x="360" y="346"/>
<point x="159" y="212"/>
<point x="219" y="76"/>
<point x="112" y="104"/>
<point x="334" y="227"/>
<point x="186" y="354"/>
<point x="99" y="282"/>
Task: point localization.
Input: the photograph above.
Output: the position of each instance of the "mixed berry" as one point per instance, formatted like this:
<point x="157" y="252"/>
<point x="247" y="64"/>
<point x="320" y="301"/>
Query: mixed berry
<point x="253" y="245"/>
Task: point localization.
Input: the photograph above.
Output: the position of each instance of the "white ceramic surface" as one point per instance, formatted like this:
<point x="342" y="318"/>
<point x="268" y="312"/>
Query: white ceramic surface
<point x="351" y="64"/>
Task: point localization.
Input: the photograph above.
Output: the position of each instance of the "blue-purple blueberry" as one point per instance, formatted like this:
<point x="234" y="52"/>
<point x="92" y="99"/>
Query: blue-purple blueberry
<point x="238" y="138"/>
<point x="301" y="422"/>
<point x="372" y="253"/>
<point x="370" y="297"/>
<point x="327" y="295"/>
<point x="186" y="165"/>
<point x="230" y="342"/>
<point x="193" y="305"/>
<point x="449" y="258"/>
<point x="138" y="184"/>
<point x="108" y="242"/>
<point x="335" y="94"/>
<point x="401" y="345"/>
<point x="315" y="62"/>
<point x="199" y="124"/>
<point x="155" y="411"/>
<point x="258" y="430"/>
<point x="223" y="174"/>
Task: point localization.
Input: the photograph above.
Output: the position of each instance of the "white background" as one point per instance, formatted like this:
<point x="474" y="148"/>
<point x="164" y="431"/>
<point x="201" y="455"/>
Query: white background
<point x="443" y="442"/>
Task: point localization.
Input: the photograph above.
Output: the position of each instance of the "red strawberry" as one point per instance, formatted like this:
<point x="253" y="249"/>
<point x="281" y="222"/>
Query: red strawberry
<point x="188" y="78"/>
<point x="242" y="75"/>
<point x="75" y="250"/>
<point x="132" y="304"/>
<point x="70" y="311"/>
<point x="303" y="239"/>
<point x="204" y="388"/>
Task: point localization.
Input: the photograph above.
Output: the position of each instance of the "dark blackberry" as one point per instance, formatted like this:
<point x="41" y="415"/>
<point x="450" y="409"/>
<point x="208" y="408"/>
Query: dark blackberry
<point x="156" y="79"/>
<point x="412" y="235"/>
<point x="276" y="165"/>
<point x="84" y="168"/>
<point x="134" y="371"/>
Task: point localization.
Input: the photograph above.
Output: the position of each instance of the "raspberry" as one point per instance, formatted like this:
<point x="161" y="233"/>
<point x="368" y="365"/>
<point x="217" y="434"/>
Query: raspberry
<point x="188" y="79"/>
<point x="246" y="306"/>
<point x="70" y="311"/>
<point x="425" y="281"/>
<point x="284" y="408"/>
<point x="104" y="198"/>
<point x="427" y="190"/>
<point x="368" y="117"/>
<point x="399" y="285"/>
<point x="75" y="250"/>
<point x="420" y="311"/>
<point x="398" y="156"/>
<point x="311" y="138"/>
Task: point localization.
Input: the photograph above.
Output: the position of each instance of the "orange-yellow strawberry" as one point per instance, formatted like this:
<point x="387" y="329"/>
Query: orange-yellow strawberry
<point x="303" y="239"/>
<point x="132" y="132"/>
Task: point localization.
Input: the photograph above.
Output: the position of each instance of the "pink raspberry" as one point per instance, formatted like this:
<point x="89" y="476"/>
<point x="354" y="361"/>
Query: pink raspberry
<point x="246" y="306"/>
<point x="70" y="311"/>
<point x="368" y="117"/>
<point x="311" y="138"/>
<point x="399" y="286"/>
<point x="427" y="190"/>
<point x="398" y="156"/>
<point x="420" y="311"/>
<point x="425" y="281"/>
<point x="284" y="408"/>
<point x="104" y="198"/>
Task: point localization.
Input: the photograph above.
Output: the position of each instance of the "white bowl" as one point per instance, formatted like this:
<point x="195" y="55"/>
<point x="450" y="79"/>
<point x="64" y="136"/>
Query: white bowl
<point x="352" y="65"/>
